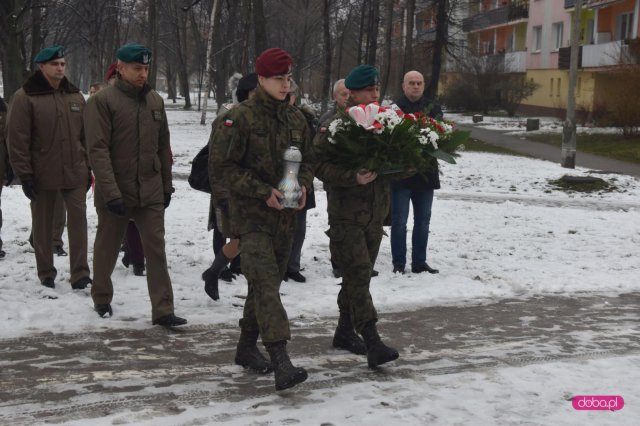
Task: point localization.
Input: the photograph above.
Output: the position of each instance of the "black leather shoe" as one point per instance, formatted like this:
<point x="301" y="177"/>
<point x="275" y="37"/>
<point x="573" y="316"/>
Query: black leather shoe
<point x="138" y="270"/>
<point x="59" y="251"/>
<point x="296" y="276"/>
<point x="170" y="321"/>
<point x="48" y="282"/>
<point x="81" y="284"/>
<point x="398" y="269"/>
<point x="423" y="268"/>
<point x="227" y="275"/>
<point x="2" y="254"/>
<point x="103" y="309"/>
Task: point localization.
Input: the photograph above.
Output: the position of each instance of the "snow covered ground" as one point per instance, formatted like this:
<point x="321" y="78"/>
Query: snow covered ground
<point x="498" y="230"/>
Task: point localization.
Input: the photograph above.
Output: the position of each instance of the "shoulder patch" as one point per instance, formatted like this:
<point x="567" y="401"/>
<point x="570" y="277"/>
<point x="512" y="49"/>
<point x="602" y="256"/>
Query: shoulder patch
<point x="228" y="122"/>
<point x="323" y="130"/>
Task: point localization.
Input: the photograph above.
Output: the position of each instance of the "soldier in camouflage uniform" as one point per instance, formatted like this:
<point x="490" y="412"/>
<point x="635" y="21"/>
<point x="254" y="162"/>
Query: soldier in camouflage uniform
<point x="248" y="150"/>
<point x="357" y="203"/>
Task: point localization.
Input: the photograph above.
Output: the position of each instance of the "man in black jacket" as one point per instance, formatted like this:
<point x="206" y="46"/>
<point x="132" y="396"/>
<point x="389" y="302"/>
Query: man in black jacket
<point x="418" y="189"/>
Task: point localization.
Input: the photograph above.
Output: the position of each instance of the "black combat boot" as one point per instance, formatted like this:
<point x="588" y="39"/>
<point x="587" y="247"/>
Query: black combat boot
<point x="346" y="338"/>
<point x="248" y="355"/>
<point x="377" y="352"/>
<point x="286" y="374"/>
<point x="210" y="276"/>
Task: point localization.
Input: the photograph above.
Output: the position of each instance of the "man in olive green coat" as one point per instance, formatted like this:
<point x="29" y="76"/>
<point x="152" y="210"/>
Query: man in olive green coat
<point x="48" y="153"/>
<point x="248" y="149"/>
<point x="357" y="203"/>
<point x="128" y="139"/>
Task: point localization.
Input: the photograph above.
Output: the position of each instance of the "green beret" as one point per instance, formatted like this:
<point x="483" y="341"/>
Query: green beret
<point x="134" y="52"/>
<point x="49" y="54"/>
<point x="362" y="76"/>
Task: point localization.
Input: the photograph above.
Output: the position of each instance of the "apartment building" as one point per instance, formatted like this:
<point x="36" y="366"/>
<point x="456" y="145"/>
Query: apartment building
<point x="533" y="37"/>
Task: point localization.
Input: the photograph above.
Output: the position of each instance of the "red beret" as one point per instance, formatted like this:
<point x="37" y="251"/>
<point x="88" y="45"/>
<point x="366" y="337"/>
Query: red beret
<point x="272" y="62"/>
<point x="111" y="71"/>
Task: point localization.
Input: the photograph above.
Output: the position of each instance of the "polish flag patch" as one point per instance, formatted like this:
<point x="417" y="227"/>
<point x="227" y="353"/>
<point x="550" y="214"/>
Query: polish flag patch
<point x="323" y="129"/>
<point x="228" y="122"/>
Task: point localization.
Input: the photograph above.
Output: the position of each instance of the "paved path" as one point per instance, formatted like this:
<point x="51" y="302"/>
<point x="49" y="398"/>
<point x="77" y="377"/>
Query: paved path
<point x="550" y="152"/>
<point x="57" y="378"/>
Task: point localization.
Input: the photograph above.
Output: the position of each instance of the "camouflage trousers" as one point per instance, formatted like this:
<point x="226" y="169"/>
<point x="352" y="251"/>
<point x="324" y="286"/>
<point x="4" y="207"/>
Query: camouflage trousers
<point x="354" y="248"/>
<point x="264" y="263"/>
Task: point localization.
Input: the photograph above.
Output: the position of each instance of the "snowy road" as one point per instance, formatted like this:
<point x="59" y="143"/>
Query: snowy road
<point x="152" y="374"/>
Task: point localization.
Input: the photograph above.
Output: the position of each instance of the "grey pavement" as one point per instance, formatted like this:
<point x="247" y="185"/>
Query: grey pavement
<point x="549" y="152"/>
<point x="58" y="378"/>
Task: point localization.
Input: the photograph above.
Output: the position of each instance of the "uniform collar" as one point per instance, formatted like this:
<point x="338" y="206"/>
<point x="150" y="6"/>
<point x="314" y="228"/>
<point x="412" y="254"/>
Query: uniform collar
<point x="131" y="90"/>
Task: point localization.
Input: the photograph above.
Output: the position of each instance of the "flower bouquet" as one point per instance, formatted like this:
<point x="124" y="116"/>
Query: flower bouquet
<point x="386" y="141"/>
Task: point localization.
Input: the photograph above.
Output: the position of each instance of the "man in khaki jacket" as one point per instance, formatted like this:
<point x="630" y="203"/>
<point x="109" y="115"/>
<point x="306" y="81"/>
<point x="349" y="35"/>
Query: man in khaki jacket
<point x="48" y="153"/>
<point x="128" y="140"/>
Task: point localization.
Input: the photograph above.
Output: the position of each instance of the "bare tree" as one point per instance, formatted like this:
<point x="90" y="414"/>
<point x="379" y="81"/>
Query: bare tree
<point x="372" y="32"/>
<point x="408" y="44"/>
<point x="326" y="81"/>
<point x="439" y="47"/>
<point x="260" y="26"/>
<point x="215" y="10"/>
<point x="387" y="47"/>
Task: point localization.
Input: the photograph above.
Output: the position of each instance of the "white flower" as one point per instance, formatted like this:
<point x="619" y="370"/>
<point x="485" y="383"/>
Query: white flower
<point x="388" y="118"/>
<point x="331" y="140"/>
<point x="334" y="126"/>
<point x="428" y="136"/>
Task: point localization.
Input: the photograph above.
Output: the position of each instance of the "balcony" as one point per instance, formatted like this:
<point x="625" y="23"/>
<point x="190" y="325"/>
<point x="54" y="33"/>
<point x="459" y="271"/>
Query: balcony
<point x="607" y="54"/>
<point x="564" y="58"/>
<point x="514" y="11"/>
<point x="515" y="62"/>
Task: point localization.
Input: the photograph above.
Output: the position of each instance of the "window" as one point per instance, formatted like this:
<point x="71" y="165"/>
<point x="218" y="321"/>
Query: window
<point x="537" y="38"/>
<point x="625" y="25"/>
<point x="511" y="41"/>
<point x="557" y="30"/>
<point x="551" y="87"/>
<point x="558" y="91"/>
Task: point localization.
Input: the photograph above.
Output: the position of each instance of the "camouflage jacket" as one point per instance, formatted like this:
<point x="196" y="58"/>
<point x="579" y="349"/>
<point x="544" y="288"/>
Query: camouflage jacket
<point x="248" y="148"/>
<point x="347" y="201"/>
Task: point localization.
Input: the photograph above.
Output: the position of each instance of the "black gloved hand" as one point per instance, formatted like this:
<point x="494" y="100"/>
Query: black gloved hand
<point x="90" y="181"/>
<point x="117" y="207"/>
<point x="29" y="189"/>
<point x="167" y="199"/>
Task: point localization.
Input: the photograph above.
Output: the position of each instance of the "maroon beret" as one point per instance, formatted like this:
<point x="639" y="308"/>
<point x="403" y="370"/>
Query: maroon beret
<point x="272" y="62"/>
<point x="111" y="71"/>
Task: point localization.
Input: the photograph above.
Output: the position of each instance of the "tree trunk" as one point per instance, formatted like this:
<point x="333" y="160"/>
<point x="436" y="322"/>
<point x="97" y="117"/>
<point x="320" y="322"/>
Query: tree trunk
<point x="171" y="81"/>
<point x="408" y="44"/>
<point x="247" y="30"/>
<point x="326" y="79"/>
<point x="152" y="41"/>
<point x="387" y="48"/>
<point x="260" y="26"/>
<point x="372" y="32"/>
<point x="439" y="45"/>
<point x="361" y="30"/>
<point x="215" y="10"/>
